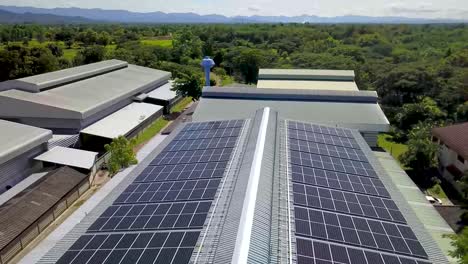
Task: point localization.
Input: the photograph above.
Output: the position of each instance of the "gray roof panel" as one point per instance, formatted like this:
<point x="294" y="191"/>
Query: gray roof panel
<point x="364" y="117"/>
<point x="83" y="98"/>
<point x="305" y="74"/>
<point x="38" y="83"/>
<point x="17" y="139"/>
<point x="163" y="92"/>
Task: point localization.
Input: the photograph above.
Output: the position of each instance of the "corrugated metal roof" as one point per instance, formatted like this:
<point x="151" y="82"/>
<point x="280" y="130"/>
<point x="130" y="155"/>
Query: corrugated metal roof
<point x="163" y="92"/>
<point x="16" y="139"/>
<point x="84" y="98"/>
<point x="70" y="157"/>
<point x="427" y="214"/>
<point x="312" y="85"/>
<point x="123" y="121"/>
<point x="305" y="74"/>
<point x="48" y="80"/>
<point x="28" y="206"/>
<point x="364" y="117"/>
<point x="455" y="137"/>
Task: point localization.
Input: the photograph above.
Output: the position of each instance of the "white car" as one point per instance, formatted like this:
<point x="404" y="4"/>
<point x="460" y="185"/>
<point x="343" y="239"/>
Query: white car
<point x="433" y="200"/>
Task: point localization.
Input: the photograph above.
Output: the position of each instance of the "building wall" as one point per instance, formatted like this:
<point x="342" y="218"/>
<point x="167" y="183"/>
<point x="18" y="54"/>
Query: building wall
<point x="20" y="167"/>
<point x="449" y="157"/>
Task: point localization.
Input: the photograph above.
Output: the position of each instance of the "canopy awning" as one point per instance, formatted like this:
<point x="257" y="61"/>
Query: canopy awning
<point x="123" y="121"/>
<point x="71" y="157"/>
<point x="163" y="92"/>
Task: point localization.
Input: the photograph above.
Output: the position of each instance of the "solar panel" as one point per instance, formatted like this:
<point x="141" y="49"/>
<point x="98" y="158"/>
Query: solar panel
<point x="342" y="211"/>
<point x="213" y="125"/>
<point x="169" y="191"/>
<point x="311" y="137"/>
<point x="327" y="150"/>
<point x="385" y="236"/>
<point x="158" y="217"/>
<point x="139" y="248"/>
<point x="338" y="180"/>
<point x="346" y="202"/>
<point x="206" y="134"/>
<point x="183" y="172"/>
<point x="152" y="216"/>
<point x="332" y="164"/>
<point x="310" y="251"/>
<point x="208" y="143"/>
<point x="325" y="130"/>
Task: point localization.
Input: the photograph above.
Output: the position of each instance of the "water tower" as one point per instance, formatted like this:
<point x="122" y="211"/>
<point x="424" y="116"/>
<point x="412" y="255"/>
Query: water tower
<point x="207" y="63"/>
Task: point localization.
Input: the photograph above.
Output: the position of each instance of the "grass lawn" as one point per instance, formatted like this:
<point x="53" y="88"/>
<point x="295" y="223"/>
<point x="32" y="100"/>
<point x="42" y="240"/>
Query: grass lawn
<point x="152" y="130"/>
<point x="227" y="80"/>
<point x="160" y="123"/>
<point x="69" y="54"/>
<point x="437" y="191"/>
<point x="180" y="106"/>
<point x="157" y="42"/>
<point x="395" y="149"/>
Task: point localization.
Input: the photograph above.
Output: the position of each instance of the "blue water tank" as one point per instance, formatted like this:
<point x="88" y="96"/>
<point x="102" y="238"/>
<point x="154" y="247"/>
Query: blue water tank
<point x="207" y="63"/>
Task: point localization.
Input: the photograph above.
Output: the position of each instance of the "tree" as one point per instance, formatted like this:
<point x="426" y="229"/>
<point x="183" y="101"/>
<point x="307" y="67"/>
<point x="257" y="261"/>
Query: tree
<point x="121" y="154"/>
<point x="90" y="55"/>
<point x="460" y="246"/>
<point x="55" y="49"/>
<point x="462" y="112"/>
<point x="421" y="153"/>
<point x="403" y="85"/>
<point x="189" y="85"/>
<point x="103" y="39"/>
<point x="424" y="111"/>
<point x="464" y="183"/>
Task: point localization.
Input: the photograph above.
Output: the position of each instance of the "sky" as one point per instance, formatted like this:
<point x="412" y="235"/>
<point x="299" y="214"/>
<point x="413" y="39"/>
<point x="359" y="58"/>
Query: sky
<point x="328" y="8"/>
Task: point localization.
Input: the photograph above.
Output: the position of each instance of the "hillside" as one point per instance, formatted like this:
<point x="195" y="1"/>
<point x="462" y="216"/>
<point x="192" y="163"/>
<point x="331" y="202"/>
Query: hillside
<point x="26" y="18"/>
<point x="123" y="16"/>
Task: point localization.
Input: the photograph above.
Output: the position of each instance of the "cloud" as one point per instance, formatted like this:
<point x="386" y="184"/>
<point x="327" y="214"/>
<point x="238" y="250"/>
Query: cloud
<point x="421" y="8"/>
<point x="253" y="9"/>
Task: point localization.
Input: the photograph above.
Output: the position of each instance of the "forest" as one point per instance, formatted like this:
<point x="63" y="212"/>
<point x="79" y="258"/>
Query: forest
<point x="419" y="71"/>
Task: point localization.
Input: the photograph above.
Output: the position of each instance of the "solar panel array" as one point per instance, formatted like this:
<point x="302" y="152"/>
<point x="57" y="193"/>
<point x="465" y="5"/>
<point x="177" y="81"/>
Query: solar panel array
<point x="159" y="216"/>
<point x="342" y="211"/>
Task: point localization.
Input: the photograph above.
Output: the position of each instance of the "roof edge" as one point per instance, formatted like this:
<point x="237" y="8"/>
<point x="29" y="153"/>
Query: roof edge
<point x="292" y="95"/>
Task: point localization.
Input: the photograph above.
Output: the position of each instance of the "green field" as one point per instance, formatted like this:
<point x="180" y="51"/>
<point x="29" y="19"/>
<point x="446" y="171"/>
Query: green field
<point x="69" y="54"/>
<point x="157" y="42"/>
<point x="395" y="149"/>
<point x="151" y="131"/>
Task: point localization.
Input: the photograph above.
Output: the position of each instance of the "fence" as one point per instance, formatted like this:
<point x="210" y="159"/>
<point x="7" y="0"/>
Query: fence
<point x="31" y="232"/>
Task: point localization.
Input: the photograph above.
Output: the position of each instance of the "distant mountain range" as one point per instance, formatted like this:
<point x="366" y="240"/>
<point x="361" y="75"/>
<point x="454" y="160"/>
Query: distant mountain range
<point x="80" y="15"/>
<point x="29" y="17"/>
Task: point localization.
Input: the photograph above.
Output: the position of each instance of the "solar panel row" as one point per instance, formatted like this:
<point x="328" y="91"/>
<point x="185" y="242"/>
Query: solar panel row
<point x="311" y="251"/>
<point x="158" y="217"/>
<point x="343" y="212"/>
<point x="338" y="180"/>
<point x="137" y="248"/>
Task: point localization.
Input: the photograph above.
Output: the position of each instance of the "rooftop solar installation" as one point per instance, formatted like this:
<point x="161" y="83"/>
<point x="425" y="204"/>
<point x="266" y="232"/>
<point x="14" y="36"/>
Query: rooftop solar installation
<point x="343" y="213"/>
<point x="159" y="216"/>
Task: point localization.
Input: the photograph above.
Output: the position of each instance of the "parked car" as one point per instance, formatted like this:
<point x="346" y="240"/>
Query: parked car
<point x="433" y="200"/>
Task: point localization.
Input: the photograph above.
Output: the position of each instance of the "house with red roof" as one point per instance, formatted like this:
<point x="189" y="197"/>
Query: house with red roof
<point x="453" y="153"/>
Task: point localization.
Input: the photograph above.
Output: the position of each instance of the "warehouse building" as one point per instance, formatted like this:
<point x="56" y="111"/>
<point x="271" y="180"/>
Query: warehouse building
<point x="70" y="100"/>
<point x="341" y="80"/>
<point x="350" y="109"/>
<point x="19" y="144"/>
<point x="260" y="189"/>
